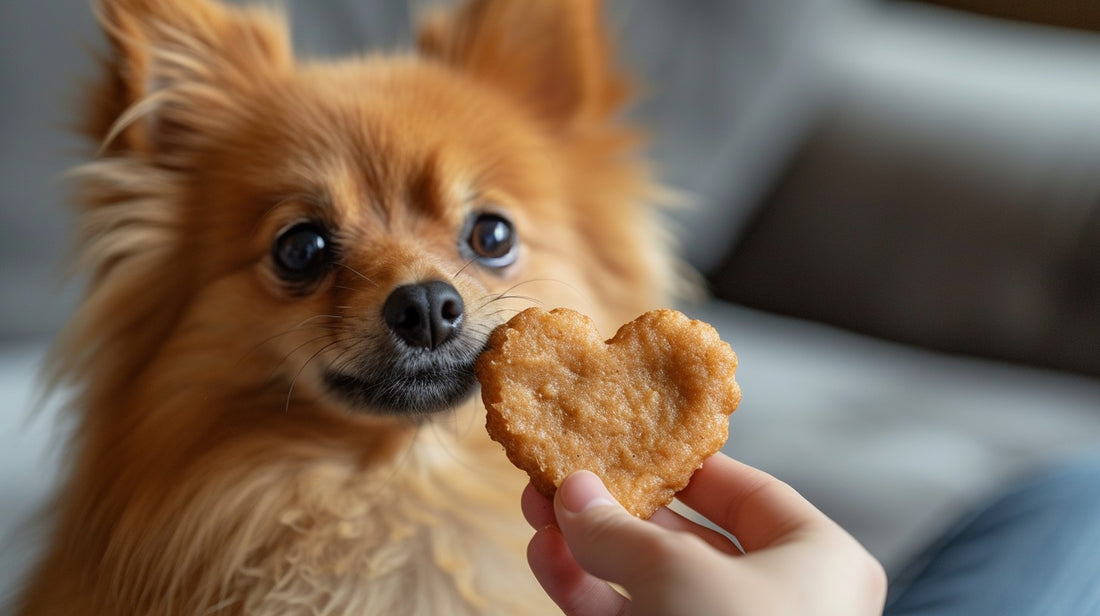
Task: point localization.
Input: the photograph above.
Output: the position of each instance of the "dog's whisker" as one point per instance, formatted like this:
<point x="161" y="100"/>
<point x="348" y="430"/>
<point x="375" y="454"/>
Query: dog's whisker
<point x="537" y="280"/>
<point x="484" y="304"/>
<point x="332" y="337"/>
<point x="508" y="294"/>
<point x="462" y="269"/>
<point x="580" y="294"/>
<point x="526" y="298"/>
<point x="294" y="381"/>
<point x="301" y="325"/>
<point x="484" y="329"/>
<point x="270" y="339"/>
<point x="327" y="335"/>
<point x="486" y="301"/>
<point x="319" y="316"/>
<point x="339" y="363"/>
<point x="347" y="288"/>
<point x="515" y="286"/>
<point x="357" y="273"/>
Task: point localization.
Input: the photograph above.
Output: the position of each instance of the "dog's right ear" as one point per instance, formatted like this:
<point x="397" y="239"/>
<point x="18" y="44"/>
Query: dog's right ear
<point x="554" y="56"/>
<point x="172" y="65"/>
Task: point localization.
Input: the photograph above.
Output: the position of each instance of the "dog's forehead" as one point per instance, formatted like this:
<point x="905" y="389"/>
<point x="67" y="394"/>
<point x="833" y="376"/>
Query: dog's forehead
<point x="406" y="135"/>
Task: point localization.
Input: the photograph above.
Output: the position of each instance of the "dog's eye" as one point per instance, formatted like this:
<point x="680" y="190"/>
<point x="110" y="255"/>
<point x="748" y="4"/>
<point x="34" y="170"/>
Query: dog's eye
<point x="301" y="252"/>
<point x="492" y="240"/>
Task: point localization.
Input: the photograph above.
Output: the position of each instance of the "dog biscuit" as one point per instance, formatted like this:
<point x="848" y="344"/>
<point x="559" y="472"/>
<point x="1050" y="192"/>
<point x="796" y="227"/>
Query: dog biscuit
<point x="641" y="410"/>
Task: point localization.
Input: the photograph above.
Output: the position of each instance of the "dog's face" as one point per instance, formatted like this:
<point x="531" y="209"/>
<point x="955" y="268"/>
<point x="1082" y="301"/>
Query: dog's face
<point x="375" y="236"/>
<point x="352" y="231"/>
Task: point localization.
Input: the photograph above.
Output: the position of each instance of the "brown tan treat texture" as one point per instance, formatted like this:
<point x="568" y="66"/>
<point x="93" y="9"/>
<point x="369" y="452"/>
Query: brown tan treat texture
<point x="642" y="410"/>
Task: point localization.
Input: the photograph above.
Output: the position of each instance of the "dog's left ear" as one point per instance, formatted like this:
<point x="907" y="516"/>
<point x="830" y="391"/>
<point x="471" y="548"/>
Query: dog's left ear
<point x="553" y="55"/>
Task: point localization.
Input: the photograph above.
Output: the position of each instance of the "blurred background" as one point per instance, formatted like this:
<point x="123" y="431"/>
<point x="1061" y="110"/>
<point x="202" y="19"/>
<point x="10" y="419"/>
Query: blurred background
<point x="896" y="207"/>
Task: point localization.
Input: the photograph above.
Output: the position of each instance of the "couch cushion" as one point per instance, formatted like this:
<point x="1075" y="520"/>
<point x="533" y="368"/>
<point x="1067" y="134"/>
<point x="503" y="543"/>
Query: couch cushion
<point x="1083" y="14"/>
<point x="949" y="198"/>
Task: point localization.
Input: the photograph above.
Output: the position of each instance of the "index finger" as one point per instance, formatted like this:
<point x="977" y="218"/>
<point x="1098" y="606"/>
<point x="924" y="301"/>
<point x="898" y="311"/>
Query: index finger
<point x="754" y="506"/>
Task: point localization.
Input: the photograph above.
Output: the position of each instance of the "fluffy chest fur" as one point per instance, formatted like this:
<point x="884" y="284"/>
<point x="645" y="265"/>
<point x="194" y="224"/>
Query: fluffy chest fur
<point x="416" y="538"/>
<point x="321" y="524"/>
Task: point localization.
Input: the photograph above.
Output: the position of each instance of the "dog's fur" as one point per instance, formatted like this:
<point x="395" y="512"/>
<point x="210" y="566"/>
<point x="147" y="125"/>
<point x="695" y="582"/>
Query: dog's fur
<point x="214" y="469"/>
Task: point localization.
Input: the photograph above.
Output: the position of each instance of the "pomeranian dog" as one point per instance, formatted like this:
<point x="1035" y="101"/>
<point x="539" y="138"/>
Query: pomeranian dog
<point x="292" y="266"/>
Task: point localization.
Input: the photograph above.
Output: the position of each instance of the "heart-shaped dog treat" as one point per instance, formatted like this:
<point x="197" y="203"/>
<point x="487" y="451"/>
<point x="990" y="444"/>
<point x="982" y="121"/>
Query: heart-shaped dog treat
<point x="642" y="410"/>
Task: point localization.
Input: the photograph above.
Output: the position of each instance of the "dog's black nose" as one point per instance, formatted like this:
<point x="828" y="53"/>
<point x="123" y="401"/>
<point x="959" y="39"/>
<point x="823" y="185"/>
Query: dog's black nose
<point x="425" y="314"/>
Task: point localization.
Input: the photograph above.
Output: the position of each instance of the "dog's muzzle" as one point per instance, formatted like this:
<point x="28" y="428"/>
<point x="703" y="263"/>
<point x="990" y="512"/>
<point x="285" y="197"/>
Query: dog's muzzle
<point x="426" y="365"/>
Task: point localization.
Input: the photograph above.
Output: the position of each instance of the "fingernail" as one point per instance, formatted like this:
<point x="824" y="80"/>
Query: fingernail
<point x="582" y="491"/>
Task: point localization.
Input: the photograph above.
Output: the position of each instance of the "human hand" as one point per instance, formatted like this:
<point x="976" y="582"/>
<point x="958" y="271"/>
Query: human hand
<point x="796" y="560"/>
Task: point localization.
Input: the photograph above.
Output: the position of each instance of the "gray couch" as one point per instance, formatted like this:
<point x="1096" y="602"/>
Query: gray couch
<point x="897" y="210"/>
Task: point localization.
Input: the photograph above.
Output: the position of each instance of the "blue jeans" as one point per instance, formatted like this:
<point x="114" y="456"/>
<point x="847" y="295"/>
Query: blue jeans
<point x="1034" y="550"/>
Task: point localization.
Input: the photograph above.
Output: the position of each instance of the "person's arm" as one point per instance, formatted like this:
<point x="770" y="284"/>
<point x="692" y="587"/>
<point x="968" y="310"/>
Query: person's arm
<point x="796" y="560"/>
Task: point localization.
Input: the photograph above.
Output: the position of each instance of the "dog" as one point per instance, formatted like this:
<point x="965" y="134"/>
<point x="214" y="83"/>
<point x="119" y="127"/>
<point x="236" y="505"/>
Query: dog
<point x="291" y="268"/>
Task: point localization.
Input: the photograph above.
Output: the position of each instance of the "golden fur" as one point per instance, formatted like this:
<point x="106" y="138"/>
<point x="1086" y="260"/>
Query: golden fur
<point x="211" y="472"/>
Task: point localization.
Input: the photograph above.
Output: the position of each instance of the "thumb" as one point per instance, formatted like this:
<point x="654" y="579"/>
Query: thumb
<point x="605" y="539"/>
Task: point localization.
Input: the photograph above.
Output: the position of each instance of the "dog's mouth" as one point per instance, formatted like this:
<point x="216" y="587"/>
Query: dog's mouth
<point x="410" y="383"/>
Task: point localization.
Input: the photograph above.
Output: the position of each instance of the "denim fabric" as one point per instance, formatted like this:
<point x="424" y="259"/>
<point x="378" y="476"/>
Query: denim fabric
<point x="1034" y="550"/>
